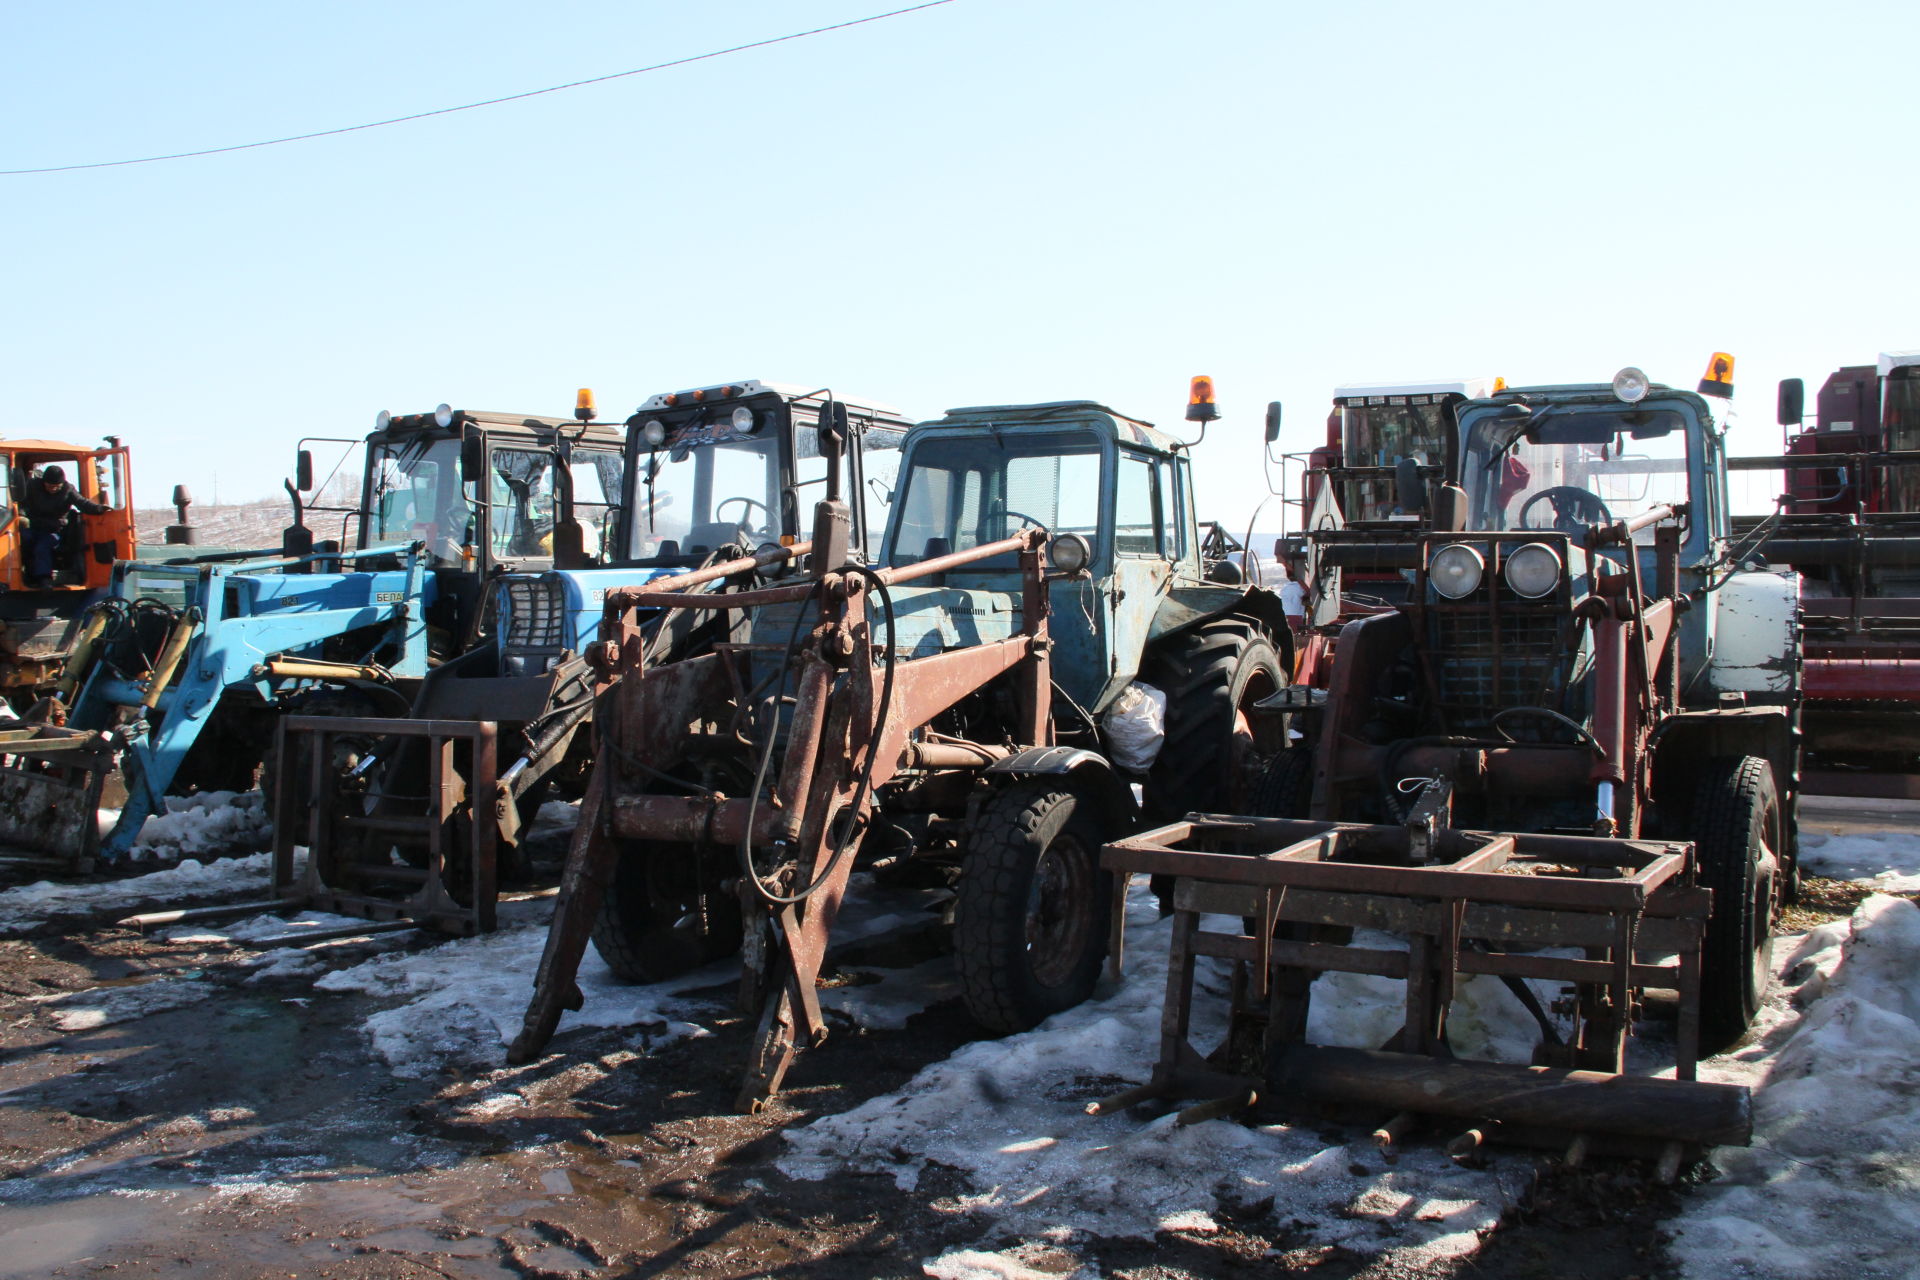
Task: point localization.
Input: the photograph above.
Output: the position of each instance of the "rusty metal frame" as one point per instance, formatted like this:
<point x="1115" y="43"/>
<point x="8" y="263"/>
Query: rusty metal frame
<point x="331" y="882"/>
<point x="1630" y="905"/>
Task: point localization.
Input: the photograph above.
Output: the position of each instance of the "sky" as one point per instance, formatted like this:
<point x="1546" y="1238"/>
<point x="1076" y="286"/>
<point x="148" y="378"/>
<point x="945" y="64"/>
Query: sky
<point x="987" y="201"/>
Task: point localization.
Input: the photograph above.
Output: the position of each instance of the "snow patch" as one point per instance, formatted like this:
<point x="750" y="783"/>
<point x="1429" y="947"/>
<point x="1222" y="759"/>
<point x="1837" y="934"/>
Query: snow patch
<point x="468" y="997"/>
<point x="29" y="905"/>
<point x="1889" y="861"/>
<point x="103" y="1007"/>
<point x="1008" y="1113"/>
<point x="211" y="823"/>
<point x="1831" y="1186"/>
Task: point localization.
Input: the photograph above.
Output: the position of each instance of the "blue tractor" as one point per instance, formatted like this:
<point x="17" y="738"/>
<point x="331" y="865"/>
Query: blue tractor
<point x="420" y="811"/>
<point x="180" y="675"/>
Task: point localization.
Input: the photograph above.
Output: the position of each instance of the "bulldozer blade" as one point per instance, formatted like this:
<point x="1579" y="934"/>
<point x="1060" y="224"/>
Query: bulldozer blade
<point x="583" y="885"/>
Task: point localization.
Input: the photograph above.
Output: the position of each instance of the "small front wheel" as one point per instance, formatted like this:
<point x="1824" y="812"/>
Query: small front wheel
<point x="1030" y="916"/>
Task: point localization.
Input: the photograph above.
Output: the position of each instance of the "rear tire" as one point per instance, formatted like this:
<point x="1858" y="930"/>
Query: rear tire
<point x="648" y="928"/>
<point x="1030" y="917"/>
<point x="1285" y="787"/>
<point x="1214" y="748"/>
<point x="1738" y="839"/>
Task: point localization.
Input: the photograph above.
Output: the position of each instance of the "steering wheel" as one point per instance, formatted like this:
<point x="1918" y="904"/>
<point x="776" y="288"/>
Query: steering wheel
<point x="749" y="504"/>
<point x="1574" y="509"/>
<point x="1009" y="511"/>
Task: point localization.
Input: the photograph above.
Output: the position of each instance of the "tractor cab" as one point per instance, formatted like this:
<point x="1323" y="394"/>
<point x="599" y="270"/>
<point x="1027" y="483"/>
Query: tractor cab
<point x="89" y="544"/>
<point x="38" y="617"/>
<point x="739" y="464"/>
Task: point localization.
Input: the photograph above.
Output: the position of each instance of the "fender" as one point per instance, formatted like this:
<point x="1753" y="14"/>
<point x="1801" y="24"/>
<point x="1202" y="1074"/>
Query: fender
<point x="1079" y="761"/>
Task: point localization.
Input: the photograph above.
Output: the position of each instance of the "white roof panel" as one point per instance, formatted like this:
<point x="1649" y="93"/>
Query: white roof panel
<point x="1471" y="388"/>
<point x="1891" y="360"/>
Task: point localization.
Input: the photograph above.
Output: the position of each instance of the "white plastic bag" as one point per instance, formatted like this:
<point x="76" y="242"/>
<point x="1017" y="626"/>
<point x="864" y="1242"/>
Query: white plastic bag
<point x="1136" y="726"/>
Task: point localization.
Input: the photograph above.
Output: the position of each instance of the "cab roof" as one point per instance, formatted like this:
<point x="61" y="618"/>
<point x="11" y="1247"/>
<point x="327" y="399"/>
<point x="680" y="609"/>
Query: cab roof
<point x="1471" y="388"/>
<point x="1131" y="430"/>
<point x="658" y="403"/>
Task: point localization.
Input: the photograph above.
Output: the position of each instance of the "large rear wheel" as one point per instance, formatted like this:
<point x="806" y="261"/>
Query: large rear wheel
<point x="1030" y="916"/>
<point x="1216" y="744"/>
<point x="1738" y="839"/>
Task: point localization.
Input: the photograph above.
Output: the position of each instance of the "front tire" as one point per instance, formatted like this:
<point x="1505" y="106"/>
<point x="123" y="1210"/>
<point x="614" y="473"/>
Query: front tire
<point x="1738" y="839"/>
<point x="1030" y="917"/>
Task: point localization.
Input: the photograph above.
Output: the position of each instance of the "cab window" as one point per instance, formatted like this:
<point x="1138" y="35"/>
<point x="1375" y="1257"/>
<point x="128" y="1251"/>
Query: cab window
<point x="521" y="501"/>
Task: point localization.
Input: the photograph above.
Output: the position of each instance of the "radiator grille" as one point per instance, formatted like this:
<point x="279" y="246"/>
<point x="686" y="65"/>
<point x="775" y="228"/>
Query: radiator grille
<point x="534" y="615"/>
<point x="1530" y="668"/>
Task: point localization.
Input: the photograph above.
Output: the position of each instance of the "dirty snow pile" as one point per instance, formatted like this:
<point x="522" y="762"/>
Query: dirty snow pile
<point x="1830" y="1189"/>
<point x="211" y="822"/>
<point x="1889" y="861"/>
<point x="1008" y="1114"/>
<point x="469" y="996"/>
<point x="31" y="904"/>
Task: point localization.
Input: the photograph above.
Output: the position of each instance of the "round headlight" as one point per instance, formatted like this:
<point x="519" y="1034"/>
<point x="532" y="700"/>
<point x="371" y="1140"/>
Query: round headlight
<point x="1533" y="570"/>
<point x="655" y="432"/>
<point x="382" y="420"/>
<point x="1069" y="553"/>
<point x="1630" y="385"/>
<point x="1456" y="570"/>
<point x="443" y="414"/>
<point x="743" y="419"/>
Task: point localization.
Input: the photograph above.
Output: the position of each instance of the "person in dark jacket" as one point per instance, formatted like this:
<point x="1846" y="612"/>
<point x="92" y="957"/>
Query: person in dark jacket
<point x="48" y="502"/>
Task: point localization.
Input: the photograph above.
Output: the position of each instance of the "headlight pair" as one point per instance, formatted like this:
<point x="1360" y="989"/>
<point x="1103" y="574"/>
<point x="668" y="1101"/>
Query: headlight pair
<point x="1457" y="569"/>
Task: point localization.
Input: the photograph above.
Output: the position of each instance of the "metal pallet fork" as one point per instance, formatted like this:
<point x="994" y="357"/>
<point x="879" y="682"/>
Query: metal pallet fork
<point x="1477" y="903"/>
<point x="436" y="868"/>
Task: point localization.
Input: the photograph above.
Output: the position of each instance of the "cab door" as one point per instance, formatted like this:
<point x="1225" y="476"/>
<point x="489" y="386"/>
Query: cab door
<point x="105" y="476"/>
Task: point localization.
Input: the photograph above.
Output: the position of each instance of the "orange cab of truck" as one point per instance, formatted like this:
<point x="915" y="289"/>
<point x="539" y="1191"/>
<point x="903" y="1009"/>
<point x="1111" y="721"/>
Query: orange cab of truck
<point x="84" y="562"/>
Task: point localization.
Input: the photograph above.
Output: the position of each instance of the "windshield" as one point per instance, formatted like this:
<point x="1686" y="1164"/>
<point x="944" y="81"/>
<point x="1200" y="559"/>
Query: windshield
<point x="596" y="478"/>
<point x="1575" y="466"/>
<point x="1903" y="432"/>
<point x="962" y="491"/>
<point x="695" y="499"/>
<point x="416" y="496"/>
<point x="1380" y="435"/>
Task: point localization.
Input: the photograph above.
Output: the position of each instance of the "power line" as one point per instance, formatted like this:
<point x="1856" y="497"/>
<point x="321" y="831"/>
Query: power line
<point x="490" y="102"/>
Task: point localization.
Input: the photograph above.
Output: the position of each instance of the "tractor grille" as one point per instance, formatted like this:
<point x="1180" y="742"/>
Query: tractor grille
<point x="533" y="615"/>
<point x="1527" y="666"/>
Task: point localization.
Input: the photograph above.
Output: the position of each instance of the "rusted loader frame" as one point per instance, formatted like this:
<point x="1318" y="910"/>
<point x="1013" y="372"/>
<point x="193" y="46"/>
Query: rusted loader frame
<point x="1482" y="905"/>
<point x="466" y="815"/>
<point x="848" y="736"/>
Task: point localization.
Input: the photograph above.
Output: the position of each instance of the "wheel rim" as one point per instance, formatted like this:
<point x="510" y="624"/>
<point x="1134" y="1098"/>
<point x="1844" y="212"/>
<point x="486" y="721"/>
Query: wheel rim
<point x="1766" y="902"/>
<point x="1058" y="916"/>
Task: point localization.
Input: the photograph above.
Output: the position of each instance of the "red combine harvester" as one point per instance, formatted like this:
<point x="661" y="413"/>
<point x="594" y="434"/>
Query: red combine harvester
<point x="1849" y="524"/>
<point x="1387" y="442"/>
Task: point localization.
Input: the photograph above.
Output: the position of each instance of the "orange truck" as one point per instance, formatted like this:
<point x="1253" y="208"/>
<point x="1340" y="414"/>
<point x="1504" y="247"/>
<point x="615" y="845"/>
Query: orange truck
<point x="38" y="624"/>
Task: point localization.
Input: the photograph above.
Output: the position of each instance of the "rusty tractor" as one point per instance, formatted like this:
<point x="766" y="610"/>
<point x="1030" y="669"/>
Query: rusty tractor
<point x="1578" y="733"/>
<point x="944" y="711"/>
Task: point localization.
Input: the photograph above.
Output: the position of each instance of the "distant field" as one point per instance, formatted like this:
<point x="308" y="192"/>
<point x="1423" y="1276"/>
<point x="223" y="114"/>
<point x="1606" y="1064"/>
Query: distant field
<point x="247" y="524"/>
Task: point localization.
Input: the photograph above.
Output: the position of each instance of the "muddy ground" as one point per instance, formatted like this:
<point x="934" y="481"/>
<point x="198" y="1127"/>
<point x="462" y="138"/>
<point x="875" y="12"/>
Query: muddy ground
<point x="254" y="1132"/>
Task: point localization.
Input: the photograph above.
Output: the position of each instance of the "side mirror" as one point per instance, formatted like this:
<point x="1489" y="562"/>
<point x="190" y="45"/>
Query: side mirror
<point x="473" y="459"/>
<point x="1449" y="509"/>
<point x="1409" y="489"/>
<point x="303" y="471"/>
<point x="1792" y="405"/>
<point x="1273" y="421"/>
